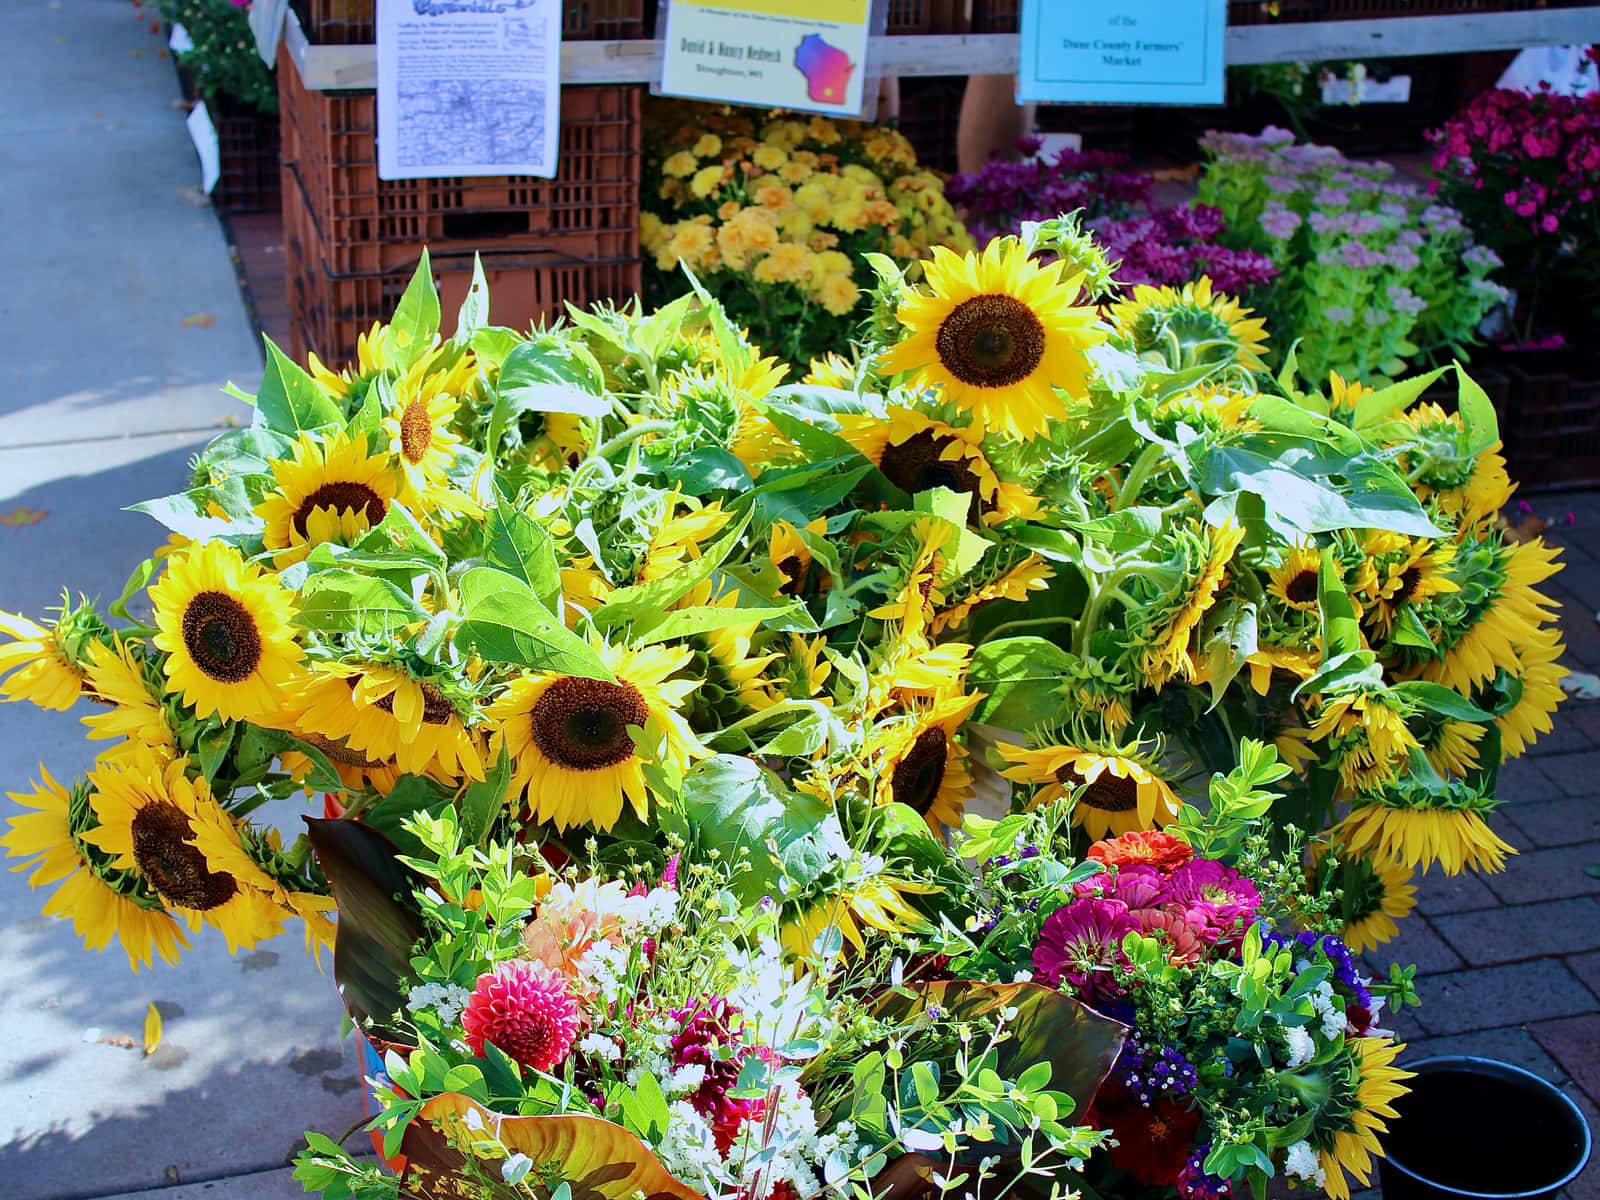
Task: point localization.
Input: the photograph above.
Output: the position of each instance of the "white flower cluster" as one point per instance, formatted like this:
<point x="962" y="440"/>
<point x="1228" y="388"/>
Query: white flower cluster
<point x="1330" y="1011"/>
<point x="598" y="1045"/>
<point x="1303" y="1163"/>
<point x="606" y="966"/>
<point x="446" y="999"/>
<point x="1299" y="1044"/>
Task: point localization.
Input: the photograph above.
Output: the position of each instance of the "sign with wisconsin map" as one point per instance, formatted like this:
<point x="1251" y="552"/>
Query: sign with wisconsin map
<point x="805" y="54"/>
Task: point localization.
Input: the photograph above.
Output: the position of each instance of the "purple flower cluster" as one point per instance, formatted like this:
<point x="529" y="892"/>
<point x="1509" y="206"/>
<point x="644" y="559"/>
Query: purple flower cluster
<point x="1000" y="197"/>
<point x="1332" y="949"/>
<point x="1195" y="1184"/>
<point x="1150" y="1073"/>
<point x="1172" y="246"/>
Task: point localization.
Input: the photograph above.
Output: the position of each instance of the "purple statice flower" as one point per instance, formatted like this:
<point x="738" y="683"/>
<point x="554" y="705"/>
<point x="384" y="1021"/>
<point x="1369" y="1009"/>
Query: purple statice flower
<point x="1375" y="317"/>
<point x="1215" y="897"/>
<point x="1403" y="258"/>
<point x="1339" y="314"/>
<point x="1331" y="197"/>
<point x="1310" y="945"/>
<point x="1153" y="1073"/>
<point x="1367" y="223"/>
<point x="1441" y="218"/>
<point x="1080" y="946"/>
<point x="1195" y="1184"/>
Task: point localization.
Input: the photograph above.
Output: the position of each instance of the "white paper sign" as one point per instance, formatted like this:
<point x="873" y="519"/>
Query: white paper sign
<point x="468" y="87"/>
<point x="266" y="22"/>
<point x="204" y="136"/>
<point x="179" y="42"/>
<point x="1394" y="90"/>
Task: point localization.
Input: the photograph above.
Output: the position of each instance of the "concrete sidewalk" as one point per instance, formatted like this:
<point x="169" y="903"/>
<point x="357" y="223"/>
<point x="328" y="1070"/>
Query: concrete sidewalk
<point x="119" y="324"/>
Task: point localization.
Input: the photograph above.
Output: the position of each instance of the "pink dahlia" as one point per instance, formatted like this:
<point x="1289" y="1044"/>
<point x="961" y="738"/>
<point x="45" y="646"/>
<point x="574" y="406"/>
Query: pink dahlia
<point x="525" y="1009"/>
<point x="1214" y="897"/>
<point x="712" y="1036"/>
<point x="1080" y="944"/>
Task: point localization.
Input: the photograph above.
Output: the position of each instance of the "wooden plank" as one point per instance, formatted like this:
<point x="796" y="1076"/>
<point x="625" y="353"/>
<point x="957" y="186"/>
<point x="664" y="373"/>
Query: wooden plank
<point x="331" y="67"/>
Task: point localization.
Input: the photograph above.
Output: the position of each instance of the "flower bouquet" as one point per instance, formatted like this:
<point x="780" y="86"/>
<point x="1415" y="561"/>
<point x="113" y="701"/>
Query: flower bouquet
<point x="1524" y="172"/>
<point x="775" y="217"/>
<point x="739" y="788"/>
<point x="1382" y="273"/>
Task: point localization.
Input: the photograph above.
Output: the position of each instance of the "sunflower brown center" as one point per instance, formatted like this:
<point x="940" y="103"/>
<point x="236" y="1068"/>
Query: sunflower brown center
<point x="914" y="466"/>
<point x="339" y="751"/>
<point x="582" y="724"/>
<point x="416" y="432"/>
<point x="1302" y="589"/>
<point x="1410" y="584"/>
<point x="920" y="774"/>
<point x="341" y="495"/>
<point x="1109" y="793"/>
<point x="221" y="637"/>
<point x="177" y="870"/>
<point x="793" y="570"/>
<point x="436" y="706"/>
<point x="991" y="341"/>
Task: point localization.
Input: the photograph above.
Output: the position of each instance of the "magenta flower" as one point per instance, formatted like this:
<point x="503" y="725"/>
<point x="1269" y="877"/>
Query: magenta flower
<point x="1080" y="947"/>
<point x="1215" y="898"/>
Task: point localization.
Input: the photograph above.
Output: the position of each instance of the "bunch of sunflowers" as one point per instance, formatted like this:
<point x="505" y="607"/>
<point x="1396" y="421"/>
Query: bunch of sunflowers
<point x="612" y="592"/>
<point x="775" y="217"/>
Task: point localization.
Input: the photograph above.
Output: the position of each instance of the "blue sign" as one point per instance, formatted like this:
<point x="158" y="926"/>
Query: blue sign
<point x="1122" y="51"/>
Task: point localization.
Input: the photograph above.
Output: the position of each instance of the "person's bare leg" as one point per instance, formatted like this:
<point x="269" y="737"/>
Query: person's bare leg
<point x="991" y="121"/>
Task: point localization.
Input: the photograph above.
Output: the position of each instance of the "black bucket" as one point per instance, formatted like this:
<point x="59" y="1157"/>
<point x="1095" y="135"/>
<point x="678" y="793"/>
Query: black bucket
<point x="1477" y="1129"/>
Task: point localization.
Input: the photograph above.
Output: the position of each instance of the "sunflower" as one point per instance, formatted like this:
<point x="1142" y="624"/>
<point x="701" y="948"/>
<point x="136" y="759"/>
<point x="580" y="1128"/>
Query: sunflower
<point x="570" y="736"/>
<point x="35" y="666"/>
<point x="1191" y="326"/>
<point x="728" y="648"/>
<point x="332" y="491"/>
<point x="227" y="849"/>
<point x="1455" y="838"/>
<point x="120" y="678"/>
<point x="1452" y="746"/>
<point x="919" y="596"/>
<point x="1296" y="581"/>
<point x="370" y="714"/>
<point x="1510" y="614"/>
<point x="1413" y="578"/>
<point x="1367" y="735"/>
<point x="923" y="765"/>
<point x="48" y="839"/>
<point x="912" y="671"/>
<point x="831" y="370"/>
<point x="1377" y="893"/>
<point x="1539" y="671"/>
<point x="997" y="333"/>
<point x="1343" y="397"/>
<point x="1299" y="661"/>
<point x="677" y="540"/>
<point x="1371" y="1083"/>
<point x="149" y="814"/>
<point x="225" y="626"/>
<point x="372" y="357"/>
<point x="876" y="902"/>
<point x="357" y="772"/>
<point x="1166" y="654"/>
<point x="1032" y="574"/>
<point x="917" y="453"/>
<point x="418" y="426"/>
<point x="1474" y="492"/>
<point x="1117" y="792"/>
<point x="790" y="554"/>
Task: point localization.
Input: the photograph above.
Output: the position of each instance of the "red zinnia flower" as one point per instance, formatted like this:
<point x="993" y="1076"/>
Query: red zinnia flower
<point x="1153" y="1143"/>
<point x="1148" y="847"/>
<point x="525" y="1009"/>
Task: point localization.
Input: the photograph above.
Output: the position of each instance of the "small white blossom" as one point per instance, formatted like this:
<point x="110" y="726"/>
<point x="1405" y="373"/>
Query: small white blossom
<point x="1303" y="1163"/>
<point x="684" y="1080"/>
<point x="1299" y="1046"/>
<point x="1022" y="976"/>
<point x="598" y="1045"/>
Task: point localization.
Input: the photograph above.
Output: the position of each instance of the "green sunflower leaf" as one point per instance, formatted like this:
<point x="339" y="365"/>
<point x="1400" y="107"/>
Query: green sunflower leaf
<point x="290" y="400"/>
<point x="416" y="317"/>
<point x="505" y="621"/>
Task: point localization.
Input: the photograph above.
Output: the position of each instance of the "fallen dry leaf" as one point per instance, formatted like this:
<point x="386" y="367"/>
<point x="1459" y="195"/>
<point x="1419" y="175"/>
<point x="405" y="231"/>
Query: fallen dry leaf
<point x="121" y="1039"/>
<point x="1178" y="174"/>
<point x="1530" y="527"/>
<point x="227" y="422"/>
<point x="152" y="1029"/>
<point x="202" y="320"/>
<point x="23" y="515"/>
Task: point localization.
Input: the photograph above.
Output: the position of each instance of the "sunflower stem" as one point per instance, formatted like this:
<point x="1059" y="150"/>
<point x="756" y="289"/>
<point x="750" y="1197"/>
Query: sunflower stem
<point x="1137" y="474"/>
<point x="630" y="435"/>
<point x="1030" y="623"/>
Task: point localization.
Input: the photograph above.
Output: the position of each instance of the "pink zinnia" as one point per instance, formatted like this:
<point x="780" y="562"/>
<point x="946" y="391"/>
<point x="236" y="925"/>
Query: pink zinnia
<point x="1185" y="943"/>
<point x="1214" y="897"/>
<point x="1079" y="945"/>
<point x="524" y="1008"/>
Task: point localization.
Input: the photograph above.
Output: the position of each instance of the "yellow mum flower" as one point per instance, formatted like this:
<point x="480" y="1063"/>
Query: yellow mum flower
<point x="706" y="180"/>
<point x="680" y="165"/>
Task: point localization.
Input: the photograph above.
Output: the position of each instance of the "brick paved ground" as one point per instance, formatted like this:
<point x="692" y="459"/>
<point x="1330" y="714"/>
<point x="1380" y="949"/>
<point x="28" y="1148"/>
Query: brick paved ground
<point x="1508" y="965"/>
